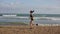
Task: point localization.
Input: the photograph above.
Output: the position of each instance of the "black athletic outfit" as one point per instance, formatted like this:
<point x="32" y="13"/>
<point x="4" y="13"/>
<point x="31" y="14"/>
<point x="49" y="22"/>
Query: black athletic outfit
<point x="31" y="17"/>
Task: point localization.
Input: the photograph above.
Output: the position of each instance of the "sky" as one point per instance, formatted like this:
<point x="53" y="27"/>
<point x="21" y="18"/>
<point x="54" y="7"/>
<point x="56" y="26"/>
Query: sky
<point x="24" y="6"/>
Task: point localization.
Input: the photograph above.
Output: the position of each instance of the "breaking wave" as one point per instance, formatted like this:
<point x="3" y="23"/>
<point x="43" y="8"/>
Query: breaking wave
<point x="40" y="18"/>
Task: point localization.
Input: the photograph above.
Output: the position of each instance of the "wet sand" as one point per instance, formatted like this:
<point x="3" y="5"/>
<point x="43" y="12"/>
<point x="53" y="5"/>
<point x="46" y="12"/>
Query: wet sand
<point x="26" y="30"/>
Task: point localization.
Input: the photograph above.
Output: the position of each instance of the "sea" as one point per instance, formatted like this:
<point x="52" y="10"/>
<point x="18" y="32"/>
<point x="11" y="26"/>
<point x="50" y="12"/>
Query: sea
<point x="25" y="18"/>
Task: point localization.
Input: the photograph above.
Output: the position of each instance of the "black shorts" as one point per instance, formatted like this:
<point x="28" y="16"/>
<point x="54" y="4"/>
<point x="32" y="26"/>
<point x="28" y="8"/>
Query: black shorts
<point x="32" y="19"/>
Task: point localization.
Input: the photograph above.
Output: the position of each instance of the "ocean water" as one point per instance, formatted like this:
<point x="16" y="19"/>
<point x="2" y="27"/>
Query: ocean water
<point x="38" y="18"/>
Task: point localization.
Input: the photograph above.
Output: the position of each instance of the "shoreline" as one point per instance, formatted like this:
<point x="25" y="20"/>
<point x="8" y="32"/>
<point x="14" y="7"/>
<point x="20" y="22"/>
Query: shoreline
<point x="49" y="24"/>
<point x="28" y="25"/>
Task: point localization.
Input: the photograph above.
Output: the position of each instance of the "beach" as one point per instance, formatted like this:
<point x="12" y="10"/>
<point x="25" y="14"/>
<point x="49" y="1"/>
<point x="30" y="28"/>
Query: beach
<point x="26" y="30"/>
<point x="29" y="17"/>
<point x="47" y="24"/>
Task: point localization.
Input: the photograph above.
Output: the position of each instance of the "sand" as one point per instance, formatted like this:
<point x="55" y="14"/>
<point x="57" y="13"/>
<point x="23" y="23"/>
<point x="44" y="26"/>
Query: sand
<point x="27" y="30"/>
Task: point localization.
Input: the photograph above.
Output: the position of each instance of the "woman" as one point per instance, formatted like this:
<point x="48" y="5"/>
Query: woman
<point x="31" y="18"/>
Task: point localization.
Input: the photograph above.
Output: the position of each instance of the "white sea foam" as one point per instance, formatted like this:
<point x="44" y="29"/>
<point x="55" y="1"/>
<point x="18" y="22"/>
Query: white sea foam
<point x="49" y="18"/>
<point x="8" y="15"/>
<point x="49" y="24"/>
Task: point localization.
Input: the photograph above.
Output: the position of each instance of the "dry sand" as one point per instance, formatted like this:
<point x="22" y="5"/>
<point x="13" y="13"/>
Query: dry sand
<point x="26" y="30"/>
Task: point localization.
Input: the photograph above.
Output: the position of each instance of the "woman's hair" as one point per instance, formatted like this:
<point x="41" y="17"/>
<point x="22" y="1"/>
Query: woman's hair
<point x="31" y="11"/>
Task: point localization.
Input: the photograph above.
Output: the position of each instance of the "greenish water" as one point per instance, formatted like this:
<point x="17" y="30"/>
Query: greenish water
<point x="41" y="15"/>
<point x="35" y="15"/>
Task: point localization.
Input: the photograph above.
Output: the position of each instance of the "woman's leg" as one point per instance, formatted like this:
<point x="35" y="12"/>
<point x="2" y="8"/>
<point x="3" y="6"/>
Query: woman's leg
<point x="31" y="24"/>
